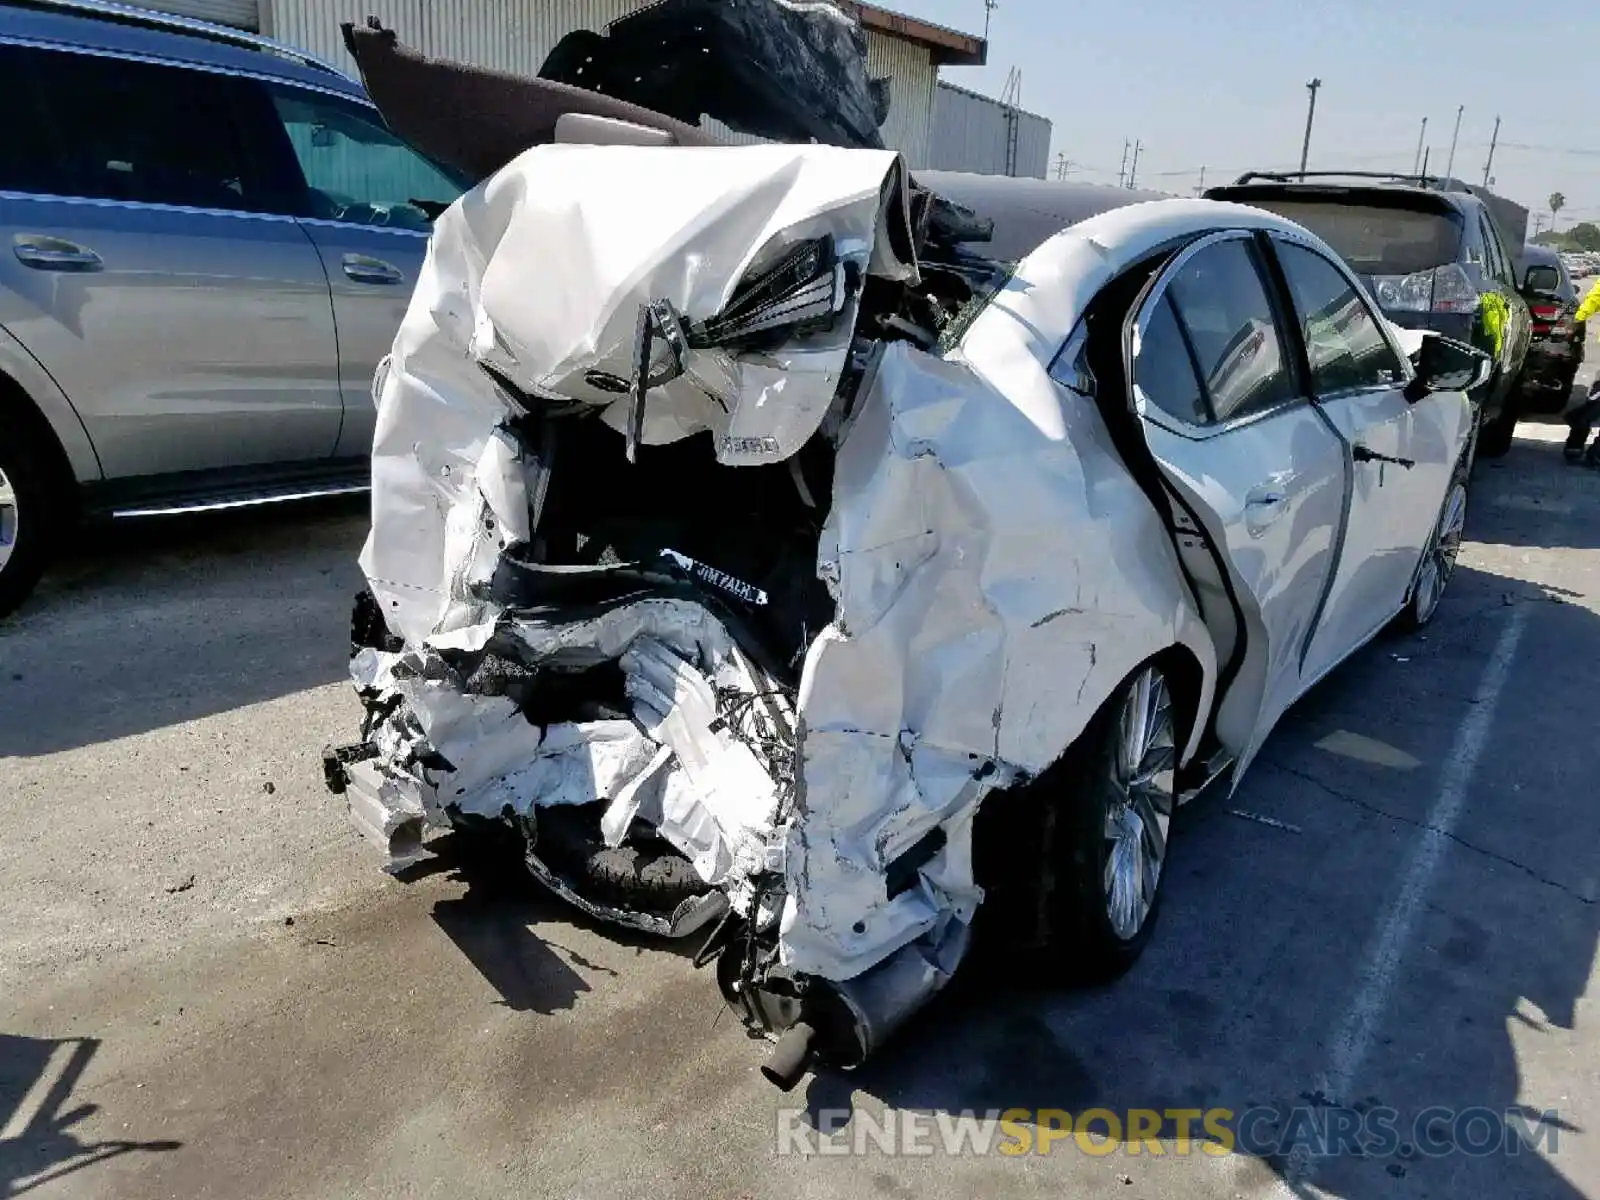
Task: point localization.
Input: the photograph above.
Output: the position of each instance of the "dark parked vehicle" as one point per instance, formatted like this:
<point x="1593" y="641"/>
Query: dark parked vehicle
<point x="1556" y="350"/>
<point x="1433" y="257"/>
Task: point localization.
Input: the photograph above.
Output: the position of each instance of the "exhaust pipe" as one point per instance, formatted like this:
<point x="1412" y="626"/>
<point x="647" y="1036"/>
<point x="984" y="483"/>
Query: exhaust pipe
<point x="791" y="1057"/>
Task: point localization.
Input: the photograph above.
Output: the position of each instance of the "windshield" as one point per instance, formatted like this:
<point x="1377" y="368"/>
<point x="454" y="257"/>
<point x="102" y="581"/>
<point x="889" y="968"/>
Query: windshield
<point x="1373" y="239"/>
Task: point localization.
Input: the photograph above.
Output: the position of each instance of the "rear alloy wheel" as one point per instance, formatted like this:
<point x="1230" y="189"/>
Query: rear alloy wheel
<point x="1120" y="794"/>
<point x="1139" y="808"/>
<point x="1438" y="557"/>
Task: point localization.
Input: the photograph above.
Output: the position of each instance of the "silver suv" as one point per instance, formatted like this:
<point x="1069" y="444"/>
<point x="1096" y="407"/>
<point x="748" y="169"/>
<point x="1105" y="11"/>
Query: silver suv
<point x="207" y="241"/>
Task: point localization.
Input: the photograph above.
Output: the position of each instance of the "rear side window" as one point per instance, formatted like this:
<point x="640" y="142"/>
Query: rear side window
<point x="1163" y="370"/>
<point x="1374" y="239"/>
<point x="1344" y="345"/>
<point x="114" y="129"/>
<point x="1221" y="303"/>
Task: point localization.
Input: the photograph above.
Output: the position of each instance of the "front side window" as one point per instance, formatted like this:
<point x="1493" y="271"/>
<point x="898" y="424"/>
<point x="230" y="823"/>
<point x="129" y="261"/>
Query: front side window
<point x="114" y="129"/>
<point x="1220" y="300"/>
<point x="1344" y="344"/>
<point x="355" y="169"/>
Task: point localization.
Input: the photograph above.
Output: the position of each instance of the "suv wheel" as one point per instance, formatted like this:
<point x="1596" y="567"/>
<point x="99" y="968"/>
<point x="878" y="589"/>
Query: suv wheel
<point x="26" y="512"/>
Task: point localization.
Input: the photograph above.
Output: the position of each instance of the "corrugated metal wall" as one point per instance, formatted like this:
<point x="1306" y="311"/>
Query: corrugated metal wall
<point x="241" y="14"/>
<point x="969" y="133"/>
<point x="912" y="80"/>
<point x="515" y="35"/>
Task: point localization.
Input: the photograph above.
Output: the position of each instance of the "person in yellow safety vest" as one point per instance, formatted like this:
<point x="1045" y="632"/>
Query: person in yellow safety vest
<point x="1583" y="417"/>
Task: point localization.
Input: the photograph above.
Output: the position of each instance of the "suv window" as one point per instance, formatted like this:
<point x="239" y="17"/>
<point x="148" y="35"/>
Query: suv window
<point x="355" y="169"/>
<point x="1221" y="303"/>
<point x="1494" y="254"/>
<point x="115" y="129"/>
<point x="1344" y="344"/>
<point x="1377" y="231"/>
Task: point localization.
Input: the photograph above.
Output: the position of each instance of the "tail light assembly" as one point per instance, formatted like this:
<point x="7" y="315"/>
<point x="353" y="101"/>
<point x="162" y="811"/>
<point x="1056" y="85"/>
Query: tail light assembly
<point x="1445" y="289"/>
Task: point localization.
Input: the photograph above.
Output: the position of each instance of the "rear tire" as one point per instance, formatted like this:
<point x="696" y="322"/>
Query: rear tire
<point x="1439" y="558"/>
<point x="29" y="511"/>
<point x="1115" y="794"/>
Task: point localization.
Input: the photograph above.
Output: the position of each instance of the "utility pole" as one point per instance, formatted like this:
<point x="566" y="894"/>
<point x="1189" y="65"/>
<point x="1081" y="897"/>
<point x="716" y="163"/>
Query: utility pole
<point x="1493" y="141"/>
<point x="1201" y="190"/>
<point x="1062" y="163"/>
<point x="1122" y="171"/>
<point x="1416" y="163"/>
<point x="1133" y="171"/>
<point x="1311" y="113"/>
<point x="988" y="11"/>
<point x="1450" y="163"/>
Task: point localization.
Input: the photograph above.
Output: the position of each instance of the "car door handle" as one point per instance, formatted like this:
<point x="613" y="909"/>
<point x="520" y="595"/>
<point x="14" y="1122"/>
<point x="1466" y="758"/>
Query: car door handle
<point x="54" y="254"/>
<point x="1365" y="454"/>
<point x="1263" y="506"/>
<point x="372" y="270"/>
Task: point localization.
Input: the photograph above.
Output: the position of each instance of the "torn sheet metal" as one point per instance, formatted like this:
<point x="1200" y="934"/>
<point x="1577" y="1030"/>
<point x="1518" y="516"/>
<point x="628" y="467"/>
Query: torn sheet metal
<point x="675" y="759"/>
<point x="620" y="228"/>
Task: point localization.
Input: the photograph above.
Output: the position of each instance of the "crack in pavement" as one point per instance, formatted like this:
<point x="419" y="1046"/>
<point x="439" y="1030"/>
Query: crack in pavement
<point x="1377" y="810"/>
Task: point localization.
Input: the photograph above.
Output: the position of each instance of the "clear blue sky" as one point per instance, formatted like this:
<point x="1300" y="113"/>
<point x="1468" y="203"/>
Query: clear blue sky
<point x="1221" y="84"/>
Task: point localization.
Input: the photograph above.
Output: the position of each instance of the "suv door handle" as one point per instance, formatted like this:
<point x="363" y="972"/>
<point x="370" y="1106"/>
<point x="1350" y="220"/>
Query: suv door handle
<point x="372" y="270"/>
<point x="54" y="254"/>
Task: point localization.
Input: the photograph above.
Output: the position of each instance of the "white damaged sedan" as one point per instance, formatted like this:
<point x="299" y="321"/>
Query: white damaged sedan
<point x="829" y="564"/>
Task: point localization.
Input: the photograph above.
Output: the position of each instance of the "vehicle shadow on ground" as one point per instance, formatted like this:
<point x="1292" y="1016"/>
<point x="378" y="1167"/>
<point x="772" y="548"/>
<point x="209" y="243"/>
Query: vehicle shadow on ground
<point x="155" y="623"/>
<point x="1267" y="940"/>
<point x="38" y="1145"/>
<point x="492" y="922"/>
<point x="1533" y="497"/>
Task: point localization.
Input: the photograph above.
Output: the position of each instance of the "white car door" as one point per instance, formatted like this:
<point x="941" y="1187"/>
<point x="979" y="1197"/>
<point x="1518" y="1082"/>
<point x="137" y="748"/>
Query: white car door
<point x="1400" y="455"/>
<point x="1249" y="459"/>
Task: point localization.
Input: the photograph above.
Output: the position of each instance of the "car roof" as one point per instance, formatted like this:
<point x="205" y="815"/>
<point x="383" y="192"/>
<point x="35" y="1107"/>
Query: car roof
<point x="103" y="27"/>
<point x="1533" y="252"/>
<point x="1027" y="212"/>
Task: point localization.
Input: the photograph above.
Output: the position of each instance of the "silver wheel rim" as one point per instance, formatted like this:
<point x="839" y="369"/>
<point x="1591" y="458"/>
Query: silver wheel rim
<point x="8" y="520"/>
<point x="1440" y="561"/>
<point x="1140" y="811"/>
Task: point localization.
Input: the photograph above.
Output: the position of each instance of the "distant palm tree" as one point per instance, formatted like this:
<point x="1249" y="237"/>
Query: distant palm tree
<point x="1557" y="203"/>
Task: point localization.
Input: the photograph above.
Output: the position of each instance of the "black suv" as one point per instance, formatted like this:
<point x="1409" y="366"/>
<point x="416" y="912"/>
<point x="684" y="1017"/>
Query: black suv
<point x="1432" y="256"/>
<point x="1556" y="351"/>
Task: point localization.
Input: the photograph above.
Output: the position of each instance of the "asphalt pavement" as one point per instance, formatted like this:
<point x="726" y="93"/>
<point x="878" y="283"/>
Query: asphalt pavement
<point x="209" y="989"/>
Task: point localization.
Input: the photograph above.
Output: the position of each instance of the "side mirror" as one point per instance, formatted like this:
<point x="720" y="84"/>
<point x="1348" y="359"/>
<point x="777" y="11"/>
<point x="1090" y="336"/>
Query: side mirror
<point x="1446" y="365"/>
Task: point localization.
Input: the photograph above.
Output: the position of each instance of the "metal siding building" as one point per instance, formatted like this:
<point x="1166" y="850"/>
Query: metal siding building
<point x="970" y="132"/>
<point x="516" y="35"/>
<point x="242" y="14"/>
